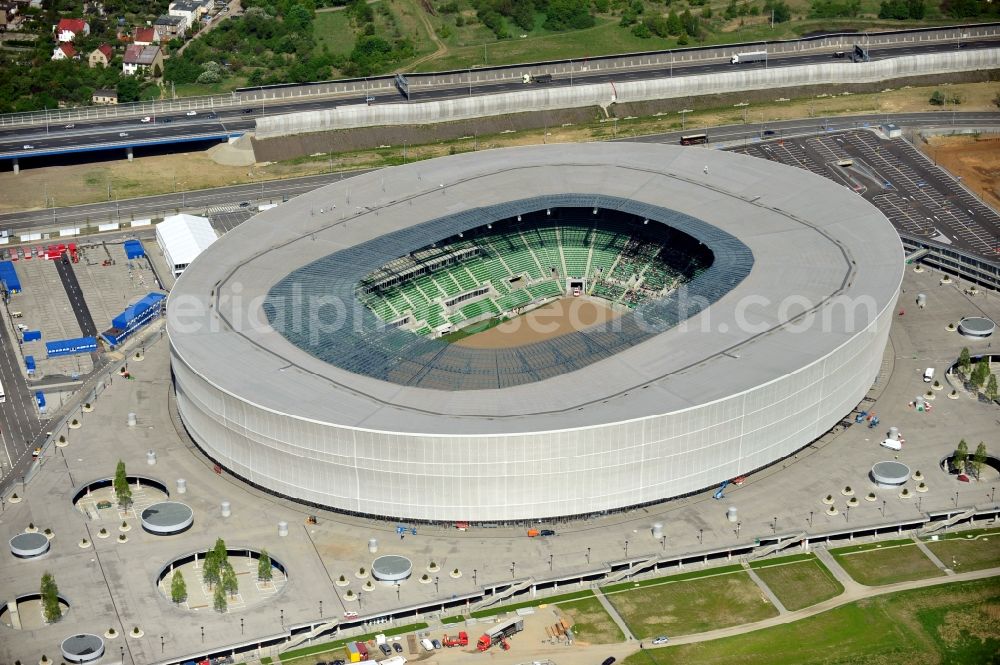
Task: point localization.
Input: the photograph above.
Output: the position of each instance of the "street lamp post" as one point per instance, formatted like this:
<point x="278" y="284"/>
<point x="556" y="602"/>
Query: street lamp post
<point x="683" y="113"/>
<point x="320" y="612"/>
<point x="513" y="564"/>
<point x="241" y="627"/>
<point x="202" y="634"/>
<point x="162" y="647"/>
<point x="474" y="577"/>
<point x="810" y="519"/>
<point x="738" y="529"/>
<point x="956" y="498"/>
<point x="626" y="549"/>
<point x="883" y="508"/>
<point x="701" y="537"/>
<point x="436" y="579"/>
<point x="550" y="562"/>
<point x="774" y="525"/>
<point x="397" y="591"/>
<point x="588" y="555"/>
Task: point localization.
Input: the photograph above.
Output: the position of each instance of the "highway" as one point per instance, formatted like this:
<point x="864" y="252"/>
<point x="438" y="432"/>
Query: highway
<point x="206" y="124"/>
<point x="277" y="190"/>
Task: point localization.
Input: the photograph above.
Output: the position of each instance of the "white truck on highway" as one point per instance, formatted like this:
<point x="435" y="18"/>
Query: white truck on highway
<point x="752" y="56"/>
<point x="536" y="78"/>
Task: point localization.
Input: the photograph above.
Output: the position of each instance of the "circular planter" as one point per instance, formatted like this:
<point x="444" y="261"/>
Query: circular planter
<point x="111" y="634"/>
<point x="103" y="533"/>
<point x="361" y="573"/>
<point x="87" y="408"/>
<point x="350" y="596"/>
<point x="425" y="579"/>
<point x="918" y="268"/>
<point x="905" y="494"/>
<point x="122" y="538"/>
<point x="953" y="394"/>
<point x="828" y="500"/>
<point x="31" y="528"/>
<point x="83" y="544"/>
<point x="922" y="487"/>
<point x="74" y="424"/>
<point x="870" y="497"/>
<point x="455" y="574"/>
<point x="136" y="632"/>
<point x="368" y="586"/>
<point x="433" y="567"/>
<point x="124" y="527"/>
<point x="14" y="498"/>
<point x="853" y="501"/>
<point x="918" y="476"/>
<point x="847" y="491"/>
<point x="832" y="510"/>
<point x="342" y="582"/>
<point x="61" y="442"/>
<point x="951" y="327"/>
<point x="49" y="533"/>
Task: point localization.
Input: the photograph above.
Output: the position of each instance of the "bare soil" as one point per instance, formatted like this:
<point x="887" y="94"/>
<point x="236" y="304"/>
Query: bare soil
<point x="973" y="158"/>
<point x="554" y="319"/>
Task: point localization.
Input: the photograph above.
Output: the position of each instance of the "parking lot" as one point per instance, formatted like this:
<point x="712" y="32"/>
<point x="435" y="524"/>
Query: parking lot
<point x="110" y="281"/>
<point x="918" y="198"/>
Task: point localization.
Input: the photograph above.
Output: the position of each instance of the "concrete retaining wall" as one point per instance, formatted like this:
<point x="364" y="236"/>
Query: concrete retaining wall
<point x="605" y="94"/>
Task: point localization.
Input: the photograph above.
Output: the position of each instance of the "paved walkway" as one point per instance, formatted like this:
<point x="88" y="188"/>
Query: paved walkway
<point x="933" y="557"/>
<point x="613" y="613"/>
<point x="764" y="588"/>
<point x="858" y="592"/>
<point x="834" y="567"/>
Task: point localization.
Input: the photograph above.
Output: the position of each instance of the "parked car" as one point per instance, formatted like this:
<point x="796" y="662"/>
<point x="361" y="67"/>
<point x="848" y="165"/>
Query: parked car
<point x="350" y="615"/>
<point x="369" y="100"/>
<point x="247" y="111"/>
<point x="662" y="639"/>
<point x="212" y="116"/>
<point x="397" y="647"/>
<point x="384" y="648"/>
<point x="71" y="125"/>
<point x="436" y="643"/>
<point x="166" y="120"/>
<point x="546" y="532"/>
<point x="191" y="113"/>
<point x="609" y="660"/>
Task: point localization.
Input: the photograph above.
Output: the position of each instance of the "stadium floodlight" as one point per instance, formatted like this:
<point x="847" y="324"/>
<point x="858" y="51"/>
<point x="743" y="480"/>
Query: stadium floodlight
<point x="645" y="221"/>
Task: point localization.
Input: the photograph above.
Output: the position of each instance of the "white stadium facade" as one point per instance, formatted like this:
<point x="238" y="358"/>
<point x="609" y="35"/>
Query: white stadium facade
<point x="287" y="377"/>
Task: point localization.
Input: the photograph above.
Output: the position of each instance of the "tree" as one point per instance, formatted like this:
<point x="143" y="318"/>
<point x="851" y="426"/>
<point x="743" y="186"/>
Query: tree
<point x="674" y="25"/>
<point x="129" y="89"/>
<point x="937" y="98"/>
<point x="229" y="582"/>
<point x="120" y="484"/>
<point x="264" y="572"/>
<point x="779" y="10"/>
<point x="979" y="459"/>
<point x="50" y="598"/>
<point x="178" y="588"/>
<point x="220" y="551"/>
<point x="960" y="456"/>
<point x="965" y="362"/>
<point x="219" y="599"/>
<point x="212" y="569"/>
<point x="981" y="373"/>
<point x="991" y="388"/>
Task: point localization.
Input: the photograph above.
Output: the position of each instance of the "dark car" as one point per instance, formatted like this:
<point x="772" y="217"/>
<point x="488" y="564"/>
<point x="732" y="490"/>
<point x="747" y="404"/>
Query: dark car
<point x="384" y="648"/>
<point x="165" y="120"/>
<point x="609" y="660"/>
<point x="337" y="662"/>
<point x="398" y="647"/>
<point x="213" y="116"/>
<point x="322" y="662"/>
<point x="769" y="132"/>
<point x="247" y="111"/>
<point x="546" y="532"/>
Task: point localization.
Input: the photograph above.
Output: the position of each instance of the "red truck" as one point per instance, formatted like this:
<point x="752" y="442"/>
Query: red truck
<point x="499" y="633"/>
<point x="461" y="641"/>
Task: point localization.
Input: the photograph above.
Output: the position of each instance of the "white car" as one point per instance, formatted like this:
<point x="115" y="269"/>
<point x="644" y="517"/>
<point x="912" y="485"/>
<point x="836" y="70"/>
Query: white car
<point x="191" y="113"/>
<point x="122" y="134"/>
<point x="28" y="146"/>
<point x="662" y="639"/>
<point x="146" y="119"/>
<point x="350" y="615"/>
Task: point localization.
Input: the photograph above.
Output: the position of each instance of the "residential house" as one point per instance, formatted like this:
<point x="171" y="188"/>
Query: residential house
<point x="105" y="97"/>
<point x="145" y="36"/>
<point x="169" y="27"/>
<point x="64" y="51"/>
<point x="101" y="56"/>
<point x="142" y="59"/>
<point x="68" y="28"/>
<point x="189" y="10"/>
<point x="8" y="10"/>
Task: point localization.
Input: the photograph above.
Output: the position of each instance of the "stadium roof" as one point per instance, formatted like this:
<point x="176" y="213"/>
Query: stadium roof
<point x="825" y="264"/>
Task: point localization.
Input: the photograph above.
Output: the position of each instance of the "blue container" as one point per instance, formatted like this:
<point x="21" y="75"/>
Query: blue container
<point x="32" y="335"/>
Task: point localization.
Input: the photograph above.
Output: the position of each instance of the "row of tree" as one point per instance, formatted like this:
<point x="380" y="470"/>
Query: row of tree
<point x="961" y="462"/>
<point x="979" y="376"/>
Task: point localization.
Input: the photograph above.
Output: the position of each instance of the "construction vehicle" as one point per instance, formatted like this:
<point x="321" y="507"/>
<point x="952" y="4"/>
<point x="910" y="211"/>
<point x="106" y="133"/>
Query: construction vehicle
<point x="537" y="78"/>
<point x="461" y="641"/>
<point x="499" y="633"/>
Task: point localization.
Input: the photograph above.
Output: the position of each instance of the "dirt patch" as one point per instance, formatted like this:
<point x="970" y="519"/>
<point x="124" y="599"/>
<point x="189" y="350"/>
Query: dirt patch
<point x="554" y="319"/>
<point x="973" y="158"/>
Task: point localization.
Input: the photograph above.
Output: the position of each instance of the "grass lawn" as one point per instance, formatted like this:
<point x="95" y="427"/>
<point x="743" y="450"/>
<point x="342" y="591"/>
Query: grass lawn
<point x="891" y="563"/>
<point x="800" y="583"/>
<point x="692" y="606"/>
<point x="951" y="623"/>
<point x="970" y="550"/>
<point x="334" y="29"/>
<point x="551" y="600"/>
<point x="592" y="624"/>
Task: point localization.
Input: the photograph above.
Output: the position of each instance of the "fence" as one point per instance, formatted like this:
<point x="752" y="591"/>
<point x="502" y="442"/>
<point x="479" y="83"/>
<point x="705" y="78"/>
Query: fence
<point x="259" y="97"/>
<point x="603" y="94"/>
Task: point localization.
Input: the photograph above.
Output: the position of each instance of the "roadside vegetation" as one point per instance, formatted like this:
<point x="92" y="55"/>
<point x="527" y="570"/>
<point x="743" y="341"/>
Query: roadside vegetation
<point x="294" y="41"/>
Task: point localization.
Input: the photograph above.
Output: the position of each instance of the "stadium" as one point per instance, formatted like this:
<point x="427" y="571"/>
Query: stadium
<point x="533" y="333"/>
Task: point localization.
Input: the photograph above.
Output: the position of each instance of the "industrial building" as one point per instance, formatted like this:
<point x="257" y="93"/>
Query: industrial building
<point x="292" y="377"/>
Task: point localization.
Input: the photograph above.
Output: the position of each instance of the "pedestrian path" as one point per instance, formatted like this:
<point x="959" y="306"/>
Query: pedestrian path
<point x="834" y="567"/>
<point x="613" y="613"/>
<point x="933" y="557"/>
<point x="764" y="588"/>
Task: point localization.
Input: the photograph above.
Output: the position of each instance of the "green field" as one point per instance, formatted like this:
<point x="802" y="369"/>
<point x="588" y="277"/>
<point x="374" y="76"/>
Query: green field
<point x="334" y="29"/>
<point x="956" y="624"/>
<point x="970" y="550"/>
<point x="875" y="566"/>
<point x="592" y="624"/>
<point x="799" y="583"/>
<point x="692" y="606"/>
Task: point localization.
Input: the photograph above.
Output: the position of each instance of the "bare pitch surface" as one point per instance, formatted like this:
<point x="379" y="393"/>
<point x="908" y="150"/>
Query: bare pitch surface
<point x="554" y="319"/>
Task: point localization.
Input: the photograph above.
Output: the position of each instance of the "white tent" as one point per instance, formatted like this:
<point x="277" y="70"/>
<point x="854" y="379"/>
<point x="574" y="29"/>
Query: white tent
<point x="182" y="238"/>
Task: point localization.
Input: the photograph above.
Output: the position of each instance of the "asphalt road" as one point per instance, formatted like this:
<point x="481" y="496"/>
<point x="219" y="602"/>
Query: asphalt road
<point x="200" y="201"/>
<point x="24" y="143"/>
<point x="22" y="429"/>
<point x="75" y="294"/>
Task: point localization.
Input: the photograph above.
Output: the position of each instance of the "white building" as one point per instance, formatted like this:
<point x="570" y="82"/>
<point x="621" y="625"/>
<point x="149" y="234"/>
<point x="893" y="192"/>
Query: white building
<point x="285" y="378"/>
<point x="182" y="238"/>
